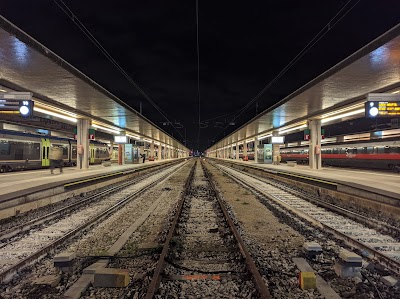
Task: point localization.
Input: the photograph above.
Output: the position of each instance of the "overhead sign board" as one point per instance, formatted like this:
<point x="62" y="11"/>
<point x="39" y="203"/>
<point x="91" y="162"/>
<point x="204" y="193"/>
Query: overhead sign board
<point x="120" y="139"/>
<point x="382" y="105"/>
<point x="278" y="139"/>
<point x="16" y="103"/>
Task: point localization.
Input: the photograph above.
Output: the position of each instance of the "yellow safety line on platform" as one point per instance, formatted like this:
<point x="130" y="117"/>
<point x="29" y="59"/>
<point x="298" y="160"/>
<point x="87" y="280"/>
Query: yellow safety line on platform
<point x="307" y="178"/>
<point x="92" y="179"/>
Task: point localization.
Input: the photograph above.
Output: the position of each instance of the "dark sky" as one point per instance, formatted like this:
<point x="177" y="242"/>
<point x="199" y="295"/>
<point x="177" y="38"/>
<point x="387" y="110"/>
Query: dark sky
<point x="243" y="46"/>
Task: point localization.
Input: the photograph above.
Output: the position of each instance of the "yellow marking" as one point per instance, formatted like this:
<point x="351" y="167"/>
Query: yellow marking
<point x="92" y="179"/>
<point x="308" y="178"/>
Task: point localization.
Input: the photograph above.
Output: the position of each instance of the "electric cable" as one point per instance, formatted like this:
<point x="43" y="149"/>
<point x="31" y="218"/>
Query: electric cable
<point x="310" y="44"/>
<point x="198" y="69"/>
<point x="88" y="34"/>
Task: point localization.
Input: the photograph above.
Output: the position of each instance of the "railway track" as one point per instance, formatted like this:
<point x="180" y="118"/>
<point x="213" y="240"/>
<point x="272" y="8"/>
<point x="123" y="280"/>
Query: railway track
<point x="375" y="245"/>
<point x="10" y="229"/>
<point x="203" y="255"/>
<point x="26" y="250"/>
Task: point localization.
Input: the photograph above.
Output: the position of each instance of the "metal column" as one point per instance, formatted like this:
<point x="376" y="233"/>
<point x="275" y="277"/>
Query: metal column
<point x="82" y="159"/>
<point x="315" y="144"/>
<point x="152" y="150"/>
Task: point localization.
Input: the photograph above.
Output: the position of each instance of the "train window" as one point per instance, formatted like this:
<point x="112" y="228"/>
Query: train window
<point x="370" y="150"/>
<point x="31" y="151"/>
<point x="380" y="149"/>
<point x="335" y="151"/>
<point x="5" y="148"/>
<point x="395" y="149"/>
<point x="362" y="150"/>
<point x="386" y="149"/>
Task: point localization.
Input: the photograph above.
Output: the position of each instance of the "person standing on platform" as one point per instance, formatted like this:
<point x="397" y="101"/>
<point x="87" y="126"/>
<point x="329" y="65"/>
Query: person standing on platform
<point x="56" y="159"/>
<point x="80" y="152"/>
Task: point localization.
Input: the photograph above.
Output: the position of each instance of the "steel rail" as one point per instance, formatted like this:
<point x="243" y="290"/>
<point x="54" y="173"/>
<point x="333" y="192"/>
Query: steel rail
<point x="373" y="253"/>
<point x="250" y="264"/>
<point x="7" y="275"/>
<point x="376" y="224"/>
<point x="13" y="231"/>
<point x="156" y="278"/>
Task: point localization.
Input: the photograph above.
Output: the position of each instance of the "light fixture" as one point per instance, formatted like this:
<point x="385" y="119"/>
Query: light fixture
<point x="264" y="136"/>
<point x="133" y="136"/>
<point x="2" y="90"/>
<point x="106" y="129"/>
<point x="324" y="120"/>
<point x="281" y="131"/>
<point x="397" y="91"/>
<point x="44" y="111"/>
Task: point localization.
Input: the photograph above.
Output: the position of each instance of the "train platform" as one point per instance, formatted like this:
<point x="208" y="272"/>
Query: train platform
<point x="367" y="183"/>
<point x="26" y="187"/>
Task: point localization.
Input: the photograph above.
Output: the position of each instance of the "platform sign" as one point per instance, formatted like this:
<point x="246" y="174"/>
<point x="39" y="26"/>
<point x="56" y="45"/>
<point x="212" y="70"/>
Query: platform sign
<point x="382" y="105"/>
<point x="307" y="134"/>
<point x="268" y="153"/>
<point x="278" y="139"/>
<point x="121" y="139"/>
<point x="16" y="103"/>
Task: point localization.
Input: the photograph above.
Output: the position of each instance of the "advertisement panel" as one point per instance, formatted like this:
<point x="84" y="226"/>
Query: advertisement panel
<point x="268" y="153"/>
<point x="128" y="153"/>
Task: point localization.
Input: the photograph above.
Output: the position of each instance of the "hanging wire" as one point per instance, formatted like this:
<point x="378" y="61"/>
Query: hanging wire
<point x="310" y="44"/>
<point x="198" y="69"/>
<point x="83" y="28"/>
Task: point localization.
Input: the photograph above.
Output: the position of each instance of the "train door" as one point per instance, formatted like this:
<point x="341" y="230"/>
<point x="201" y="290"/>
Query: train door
<point x="92" y="153"/>
<point x="45" y="152"/>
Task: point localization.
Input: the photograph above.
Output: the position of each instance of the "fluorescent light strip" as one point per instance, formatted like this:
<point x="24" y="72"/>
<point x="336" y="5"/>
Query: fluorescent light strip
<point x="106" y="129"/>
<point x="133" y="136"/>
<point x="264" y="136"/>
<point x="292" y="129"/>
<point x="71" y="119"/>
<point x="342" y="115"/>
<point x="397" y="91"/>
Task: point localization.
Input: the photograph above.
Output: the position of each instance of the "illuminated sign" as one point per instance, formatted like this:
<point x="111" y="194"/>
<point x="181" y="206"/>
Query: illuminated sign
<point x="382" y="105"/>
<point x="120" y="139"/>
<point x="278" y="139"/>
<point x="16" y="103"/>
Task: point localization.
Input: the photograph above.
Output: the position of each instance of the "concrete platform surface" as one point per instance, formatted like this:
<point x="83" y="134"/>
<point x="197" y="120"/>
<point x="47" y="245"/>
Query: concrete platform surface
<point x="378" y="182"/>
<point x="20" y="183"/>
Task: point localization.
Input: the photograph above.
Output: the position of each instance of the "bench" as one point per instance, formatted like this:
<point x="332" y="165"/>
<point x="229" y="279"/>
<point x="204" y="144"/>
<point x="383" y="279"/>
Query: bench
<point x="291" y="163"/>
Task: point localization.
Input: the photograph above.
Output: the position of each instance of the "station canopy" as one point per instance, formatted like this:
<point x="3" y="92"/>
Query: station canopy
<point x="336" y="95"/>
<point x="27" y="65"/>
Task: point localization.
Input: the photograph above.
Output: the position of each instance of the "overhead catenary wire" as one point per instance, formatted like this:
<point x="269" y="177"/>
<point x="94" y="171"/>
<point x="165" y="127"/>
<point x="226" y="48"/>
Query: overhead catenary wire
<point x="198" y="70"/>
<point x="332" y="22"/>
<point x="88" y="34"/>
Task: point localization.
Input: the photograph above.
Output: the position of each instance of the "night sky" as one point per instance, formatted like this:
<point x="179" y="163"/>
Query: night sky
<point x="243" y="46"/>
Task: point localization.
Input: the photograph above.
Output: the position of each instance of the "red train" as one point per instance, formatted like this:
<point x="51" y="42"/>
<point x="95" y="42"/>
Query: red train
<point x="369" y="154"/>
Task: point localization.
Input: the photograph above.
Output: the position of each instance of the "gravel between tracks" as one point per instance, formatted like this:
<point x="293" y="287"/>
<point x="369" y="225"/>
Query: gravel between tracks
<point x="268" y="233"/>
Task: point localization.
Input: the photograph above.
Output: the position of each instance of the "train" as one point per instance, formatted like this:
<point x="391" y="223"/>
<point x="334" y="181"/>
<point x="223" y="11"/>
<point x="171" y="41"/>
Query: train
<point x="369" y="154"/>
<point x="19" y="151"/>
<point x="382" y="154"/>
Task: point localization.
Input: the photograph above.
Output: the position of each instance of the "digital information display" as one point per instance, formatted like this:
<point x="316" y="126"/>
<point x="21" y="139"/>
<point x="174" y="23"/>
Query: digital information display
<point x="16" y="103"/>
<point x="382" y="105"/>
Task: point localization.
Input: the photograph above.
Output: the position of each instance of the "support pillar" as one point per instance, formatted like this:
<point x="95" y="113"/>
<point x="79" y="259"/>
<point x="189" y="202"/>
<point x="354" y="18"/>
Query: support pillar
<point x="245" y="151"/>
<point x="276" y="152"/>
<point x="237" y="151"/>
<point x="314" y="150"/>
<point x="159" y="151"/>
<point x="83" y="149"/>
<point x="256" y="143"/>
<point x="151" y="151"/>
